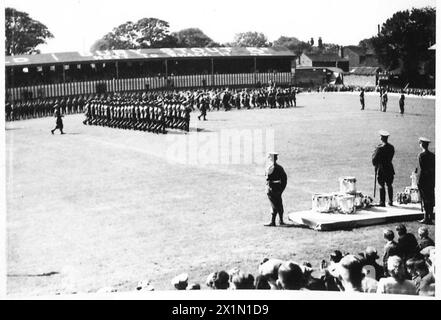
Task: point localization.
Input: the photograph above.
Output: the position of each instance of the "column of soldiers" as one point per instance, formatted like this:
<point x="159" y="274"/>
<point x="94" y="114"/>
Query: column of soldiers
<point x="43" y="107"/>
<point x="146" y="113"/>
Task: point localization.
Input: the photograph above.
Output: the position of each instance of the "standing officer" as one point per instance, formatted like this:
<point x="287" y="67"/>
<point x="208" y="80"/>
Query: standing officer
<point x="401" y="103"/>
<point x="276" y="181"/>
<point x="362" y="98"/>
<point x="59" y="120"/>
<point x="426" y="180"/>
<point x="382" y="161"/>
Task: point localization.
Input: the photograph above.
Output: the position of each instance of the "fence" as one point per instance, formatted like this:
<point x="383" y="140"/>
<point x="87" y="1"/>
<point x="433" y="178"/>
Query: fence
<point x="154" y="83"/>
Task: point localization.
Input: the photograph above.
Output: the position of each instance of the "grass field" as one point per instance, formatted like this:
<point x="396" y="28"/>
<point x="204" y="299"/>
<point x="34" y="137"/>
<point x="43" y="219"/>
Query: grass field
<point x="104" y="207"/>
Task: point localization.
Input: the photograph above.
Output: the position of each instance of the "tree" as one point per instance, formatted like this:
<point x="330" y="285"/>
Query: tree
<point x="250" y="39"/>
<point x="145" y="33"/>
<point x="404" y="40"/>
<point x="23" y="34"/>
<point x="193" y="38"/>
<point x="293" y="44"/>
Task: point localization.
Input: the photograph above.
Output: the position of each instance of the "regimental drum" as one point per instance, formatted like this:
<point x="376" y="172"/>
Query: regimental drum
<point x="359" y="200"/>
<point x="322" y="202"/>
<point x="414" y="194"/>
<point x="346" y="204"/>
<point x="347" y="185"/>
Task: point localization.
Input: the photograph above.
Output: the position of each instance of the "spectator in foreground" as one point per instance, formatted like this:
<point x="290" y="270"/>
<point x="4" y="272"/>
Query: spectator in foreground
<point x="350" y="273"/>
<point x="261" y="283"/>
<point x="425" y="240"/>
<point x="397" y="282"/>
<point x="371" y="256"/>
<point x="269" y="269"/>
<point x="424" y="279"/>
<point x="180" y="282"/>
<point x="390" y="248"/>
<point x="407" y="243"/>
<point x="290" y="276"/>
<point x="242" y="281"/>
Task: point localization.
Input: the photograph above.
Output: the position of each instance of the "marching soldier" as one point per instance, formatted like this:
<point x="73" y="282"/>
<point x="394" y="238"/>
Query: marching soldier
<point x="382" y="161"/>
<point x="384" y="100"/>
<point x="59" y="120"/>
<point x="426" y="180"/>
<point x="276" y="181"/>
<point x="362" y="98"/>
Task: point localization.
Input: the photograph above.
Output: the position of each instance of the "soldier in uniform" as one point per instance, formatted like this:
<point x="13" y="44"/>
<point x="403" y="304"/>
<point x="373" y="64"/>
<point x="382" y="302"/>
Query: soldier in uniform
<point x="384" y="101"/>
<point x="59" y="120"/>
<point x="276" y="181"/>
<point x="203" y="109"/>
<point x="382" y="161"/>
<point x="401" y="103"/>
<point x="362" y="98"/>
<point x="426" y="179"/>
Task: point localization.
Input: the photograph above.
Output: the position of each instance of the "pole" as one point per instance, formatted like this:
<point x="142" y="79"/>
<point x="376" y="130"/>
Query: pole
<point x="375" y="181"/>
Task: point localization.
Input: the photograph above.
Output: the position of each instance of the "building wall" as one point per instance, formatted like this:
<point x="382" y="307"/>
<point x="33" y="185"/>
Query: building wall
<point x="310" y="77"/>
<point x="305" y="61"/>
<point x="354" y="59"/>
<point x="359" y="81"/>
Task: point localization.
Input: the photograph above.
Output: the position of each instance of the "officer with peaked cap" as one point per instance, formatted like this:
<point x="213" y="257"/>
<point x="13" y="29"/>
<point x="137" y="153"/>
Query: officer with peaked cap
<point x="276" y="181"/>
<point x="426" y="179"/>
<point x="382" y="161"/>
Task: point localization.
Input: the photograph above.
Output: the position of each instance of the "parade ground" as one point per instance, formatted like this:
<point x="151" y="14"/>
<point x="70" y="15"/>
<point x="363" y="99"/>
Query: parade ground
<point x="101" y="207"/>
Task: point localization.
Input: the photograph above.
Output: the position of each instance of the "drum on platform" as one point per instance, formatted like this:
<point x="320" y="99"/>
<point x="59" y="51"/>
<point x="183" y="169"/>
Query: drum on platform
<point x="322" y="202"/>
<point x="347" y="185"/>
<point x="359" y="200"/>
<point x="414" y="194"/>
<point x="346" y="204"/>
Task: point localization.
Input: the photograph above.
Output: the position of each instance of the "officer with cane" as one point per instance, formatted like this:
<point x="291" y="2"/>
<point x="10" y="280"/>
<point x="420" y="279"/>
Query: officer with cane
<point x="384" y="170"/>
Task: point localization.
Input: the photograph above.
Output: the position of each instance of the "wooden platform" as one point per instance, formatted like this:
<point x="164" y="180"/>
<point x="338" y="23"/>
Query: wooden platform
<point x="362" y="218"/>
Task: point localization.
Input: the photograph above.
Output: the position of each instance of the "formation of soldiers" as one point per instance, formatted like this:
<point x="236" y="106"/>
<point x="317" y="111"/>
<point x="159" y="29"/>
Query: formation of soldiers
<point x="44" y="107"/>
<point x="204" y="100"/>
<point x="153" y="113"/>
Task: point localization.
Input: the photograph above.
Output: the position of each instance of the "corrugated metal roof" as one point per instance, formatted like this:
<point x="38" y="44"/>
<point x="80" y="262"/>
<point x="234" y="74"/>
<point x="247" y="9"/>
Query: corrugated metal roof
<point x="141" y="54"/>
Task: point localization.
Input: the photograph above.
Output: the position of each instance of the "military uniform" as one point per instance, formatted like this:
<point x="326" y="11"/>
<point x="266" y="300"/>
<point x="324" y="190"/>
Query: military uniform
<point x="59" y="121"/>
<point x="401" y="104"/>
<point x="382" y="161"/>
<point x="426" y="181"/>
<point x="362" y="99"/>
<point x="276" y="181"/>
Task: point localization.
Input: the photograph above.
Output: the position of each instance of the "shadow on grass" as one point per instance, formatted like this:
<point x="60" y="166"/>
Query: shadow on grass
<point x="47" y="274"/>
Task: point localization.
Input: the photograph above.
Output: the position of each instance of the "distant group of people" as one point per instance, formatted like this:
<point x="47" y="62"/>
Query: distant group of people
<point x="383" y="100"/>
<point x="407" y="91"/>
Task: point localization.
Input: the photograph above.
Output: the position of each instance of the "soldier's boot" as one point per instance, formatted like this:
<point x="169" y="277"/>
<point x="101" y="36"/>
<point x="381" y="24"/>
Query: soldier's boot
<point x="390" y="193"/>
<point x="281" y="222"/>
<point x="273" y="221"/>
<point x="382" y="197"/>
<point x="428" y="213"/>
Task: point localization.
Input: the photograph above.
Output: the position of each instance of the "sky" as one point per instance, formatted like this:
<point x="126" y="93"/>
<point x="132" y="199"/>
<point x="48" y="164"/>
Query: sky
<point x="77" y="24"/>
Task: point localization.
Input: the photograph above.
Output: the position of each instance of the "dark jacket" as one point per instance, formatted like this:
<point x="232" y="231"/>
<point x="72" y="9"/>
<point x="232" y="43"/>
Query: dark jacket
<point x="382" y="159"/>
<point x="426" y="161"/>
<point x="276" y="178"/>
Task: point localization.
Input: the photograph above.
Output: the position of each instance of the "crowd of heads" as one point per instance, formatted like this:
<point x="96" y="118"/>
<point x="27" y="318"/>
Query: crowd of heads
<point x="408" y="269"/>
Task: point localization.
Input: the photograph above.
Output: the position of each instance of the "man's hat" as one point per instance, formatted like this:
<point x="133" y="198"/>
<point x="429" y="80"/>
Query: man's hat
<point x="424" y="139"/>
<point x="272" y="153"/>
<point x="182" y="278"/>
<point x="384" y="133"/>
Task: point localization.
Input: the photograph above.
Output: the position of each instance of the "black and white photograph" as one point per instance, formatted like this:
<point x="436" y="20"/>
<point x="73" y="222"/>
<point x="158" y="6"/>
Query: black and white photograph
<point x="236" y="149"/>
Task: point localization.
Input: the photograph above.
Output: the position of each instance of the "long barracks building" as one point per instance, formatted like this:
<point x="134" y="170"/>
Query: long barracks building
<point x="74" y="73"/>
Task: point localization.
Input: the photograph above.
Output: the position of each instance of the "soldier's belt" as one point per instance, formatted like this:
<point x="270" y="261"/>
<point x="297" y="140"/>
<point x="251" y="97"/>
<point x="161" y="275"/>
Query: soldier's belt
<point x="275" y="181"/>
